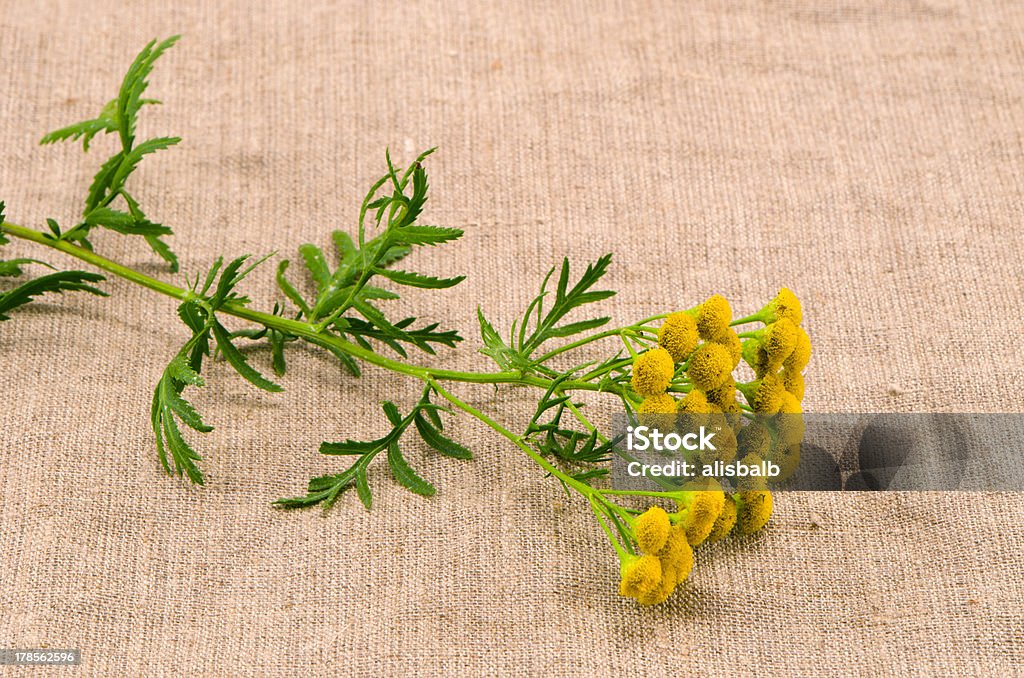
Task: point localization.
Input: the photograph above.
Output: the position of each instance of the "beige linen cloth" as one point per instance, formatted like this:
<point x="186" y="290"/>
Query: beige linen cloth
<point x="868" y="155"/>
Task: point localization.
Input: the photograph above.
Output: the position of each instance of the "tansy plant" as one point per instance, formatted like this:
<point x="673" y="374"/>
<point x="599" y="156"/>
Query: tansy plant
<point x="681" y="362"/>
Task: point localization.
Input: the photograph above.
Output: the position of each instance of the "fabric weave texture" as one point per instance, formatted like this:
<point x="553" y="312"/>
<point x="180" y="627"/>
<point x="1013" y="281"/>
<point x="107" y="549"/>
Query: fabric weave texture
<point x="866" y="155"/>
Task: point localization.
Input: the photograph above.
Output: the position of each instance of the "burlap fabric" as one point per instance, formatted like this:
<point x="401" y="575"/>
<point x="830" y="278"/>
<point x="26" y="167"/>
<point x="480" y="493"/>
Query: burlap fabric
<point x="867" y="155"/>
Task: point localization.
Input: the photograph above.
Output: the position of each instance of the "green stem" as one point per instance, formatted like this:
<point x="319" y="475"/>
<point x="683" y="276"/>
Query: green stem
<point x="596" y="497"/>
<point x="753" y="317"/>
<point x="296" y="327"/>
<point x="582" y="418"/>
<point x="579" y="486"/>
<point x="636" y="327"/>
<point x="674" y="494"/>
<point x="622" y="553"/>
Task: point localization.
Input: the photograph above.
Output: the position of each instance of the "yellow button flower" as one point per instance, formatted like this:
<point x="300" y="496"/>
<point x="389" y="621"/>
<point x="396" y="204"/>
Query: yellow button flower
<point x="652" y="372"/>
<point x="662" y="403"/>
<point x="725" y="521"/>
<point x="695" y="402"/>
<point x="801" y="355"/>
<point x="778" y="341"/>
<point x="785" y="305"/>
<point x="754" y="438"/>
<point x="732" y="342"/>
<point x="640" y="575"/>
<point x="723" y="395"/>
<point x="713" y="317"/>
<point x="709" y="366"/>
<point x="678" y="335"/>
<point x="753" y="509"/>
<point x="793" y="382"/>
<point x="764" y="395"/>
<point x="651" y="529"/>
<point x="700" y="509"/>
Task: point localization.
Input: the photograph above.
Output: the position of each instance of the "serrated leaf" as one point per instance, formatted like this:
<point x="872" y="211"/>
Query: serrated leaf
<point x="405" y="475"/>
<point x="495" y="347"/>
<point x="180" y="370"/>
<point x="105" y="216"/>
<point x="576" y="328"/>
<point x="62" y="281"/>
<point x="101" y="182"/>
<point x="289" y="290"/>
<point x="423" y="235"/>
<point x="435" y="417"/>
<point x="86" y="129"/>
<point x="238" y="361"/>
<point x="393" y="254"/>
<point x="230" y="277"/>
<point x="324" y="489"/>
<point x="163" y="251"/>
<point x="419" y="192"/>
<point x="392" y="413"/>
<point x="277" y="352"/>
<point x="363" y="487"/>
<point x="343" y="243"/>
<point x="183" y="454"/>
<point x="411" y="279"/>
<point x="371" y="292"/>
<point x="352" y="447"/>
<point x="374" y="316"/>
<point x="124" y="223"/>
<point x="313" y="256"/>
<point x="133" y="157"/>
<point x="184" y="410"/>
<point x="565" y="301"/>
<point x="129" y="99"/>
<point x="439" y="442"/>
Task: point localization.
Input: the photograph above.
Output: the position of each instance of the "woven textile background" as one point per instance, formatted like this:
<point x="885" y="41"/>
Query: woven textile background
<point x="868" y="155"/>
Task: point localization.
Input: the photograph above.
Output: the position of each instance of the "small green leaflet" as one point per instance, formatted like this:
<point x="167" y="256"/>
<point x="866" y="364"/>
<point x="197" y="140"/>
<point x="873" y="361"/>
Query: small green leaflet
<point x="326" y="489"/>
<point x="404" y="474"/>
<point x="87" y="129"/>
<point x="238" y="361"/>
<point x="496" y="348"/>
<point x="129" y="98"/>
<point x="62" y="281"/>
<point x="119" y="115"/>
<point x="168" y="404"/>
<point x="419" y="280"/>
<point x="566" y="300"/>
<point x="433" y="437"/>
<point x="425" y="235"/>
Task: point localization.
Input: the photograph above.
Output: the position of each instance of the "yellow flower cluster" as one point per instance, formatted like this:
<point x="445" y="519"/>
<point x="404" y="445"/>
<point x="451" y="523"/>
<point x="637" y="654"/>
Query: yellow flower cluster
<point x="703" y="344"/>
<point x="665" y="561"/>
<point x="665" y="541"/>
<point x="778" y="354"/>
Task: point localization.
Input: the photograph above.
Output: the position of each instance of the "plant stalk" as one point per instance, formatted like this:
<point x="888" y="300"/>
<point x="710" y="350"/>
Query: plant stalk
<point x="297" y="327"/>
